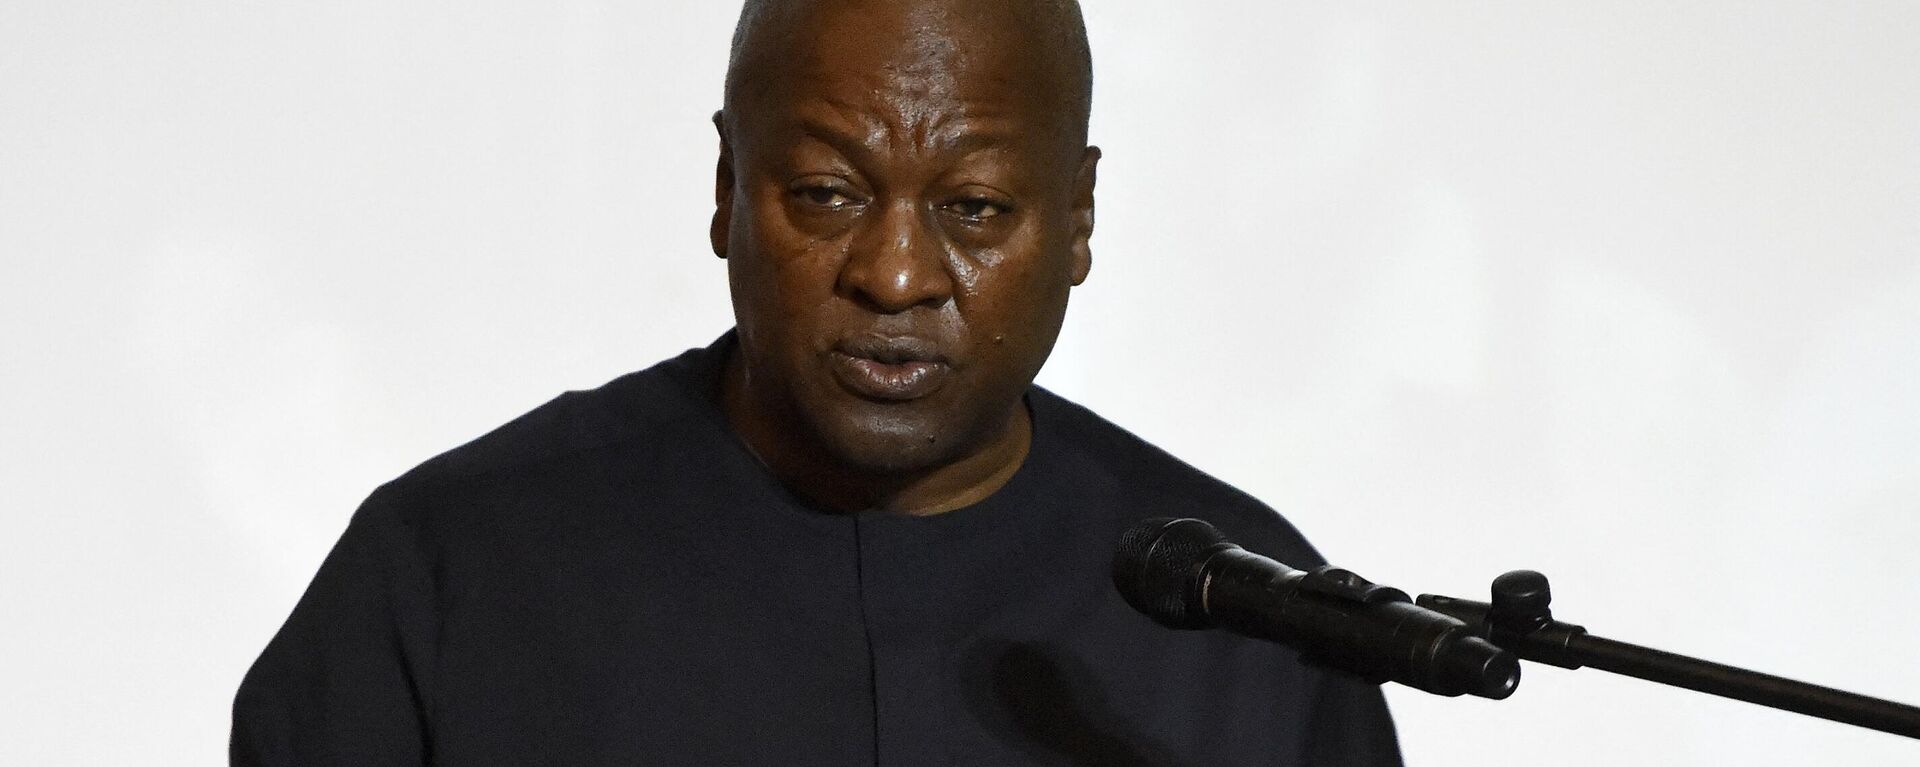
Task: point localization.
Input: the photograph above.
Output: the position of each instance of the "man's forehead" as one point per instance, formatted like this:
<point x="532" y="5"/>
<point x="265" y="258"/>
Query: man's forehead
<point x="992" y="55"/>
<point x="929" y="41"/>
<point x="765" y="21"/>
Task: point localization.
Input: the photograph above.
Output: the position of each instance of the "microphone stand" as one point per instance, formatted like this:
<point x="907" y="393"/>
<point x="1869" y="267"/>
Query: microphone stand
<point x="1519" y="620"/>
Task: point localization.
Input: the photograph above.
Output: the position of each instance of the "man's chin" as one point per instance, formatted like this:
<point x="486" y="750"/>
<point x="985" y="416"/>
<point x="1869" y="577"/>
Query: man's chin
<point x="903" y="441"/>
<point x="893" y="453"/>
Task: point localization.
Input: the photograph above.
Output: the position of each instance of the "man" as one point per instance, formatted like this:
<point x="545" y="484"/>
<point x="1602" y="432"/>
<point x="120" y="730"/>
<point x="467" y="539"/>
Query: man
<point x="848" y="532"/>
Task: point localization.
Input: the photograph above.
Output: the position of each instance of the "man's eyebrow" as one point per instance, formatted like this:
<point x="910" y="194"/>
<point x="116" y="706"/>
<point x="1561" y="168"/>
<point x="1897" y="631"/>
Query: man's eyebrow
<point x="976" y="135"/>
<point x="845" y="143"/>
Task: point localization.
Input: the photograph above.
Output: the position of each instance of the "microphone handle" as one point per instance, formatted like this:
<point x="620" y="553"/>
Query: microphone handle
<point x="1339" y="619"/>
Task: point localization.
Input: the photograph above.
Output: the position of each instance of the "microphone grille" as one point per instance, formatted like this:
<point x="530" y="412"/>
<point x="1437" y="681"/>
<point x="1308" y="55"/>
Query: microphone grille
<point x="1157" y="569"/>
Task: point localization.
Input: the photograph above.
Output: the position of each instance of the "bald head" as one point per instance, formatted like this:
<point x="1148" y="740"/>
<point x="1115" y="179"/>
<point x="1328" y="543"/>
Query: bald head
<point x="1049" y="35"/>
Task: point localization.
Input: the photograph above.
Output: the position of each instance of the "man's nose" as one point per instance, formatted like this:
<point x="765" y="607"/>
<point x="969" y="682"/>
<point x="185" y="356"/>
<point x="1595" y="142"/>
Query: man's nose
<point x="897" y="262"/>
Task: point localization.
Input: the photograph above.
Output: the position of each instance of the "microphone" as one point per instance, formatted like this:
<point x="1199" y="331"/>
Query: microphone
<point x="1184" y="574"/>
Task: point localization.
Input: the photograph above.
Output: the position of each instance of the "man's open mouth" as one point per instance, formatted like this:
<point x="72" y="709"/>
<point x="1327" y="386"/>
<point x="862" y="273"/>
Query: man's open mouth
<point x="889" y="369"/>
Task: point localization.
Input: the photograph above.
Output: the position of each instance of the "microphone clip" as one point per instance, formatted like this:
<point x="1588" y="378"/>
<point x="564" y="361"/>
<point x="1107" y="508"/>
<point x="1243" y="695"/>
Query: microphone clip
<point x="1520" y="618"/>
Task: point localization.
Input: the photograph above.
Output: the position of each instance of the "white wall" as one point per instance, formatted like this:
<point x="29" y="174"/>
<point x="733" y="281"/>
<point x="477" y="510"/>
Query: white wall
<point x="1628" y="292"/>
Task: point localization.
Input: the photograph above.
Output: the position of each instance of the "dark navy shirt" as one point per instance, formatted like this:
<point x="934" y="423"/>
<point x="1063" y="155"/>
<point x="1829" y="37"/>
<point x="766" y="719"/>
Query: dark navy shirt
<point x="612" y="579"/>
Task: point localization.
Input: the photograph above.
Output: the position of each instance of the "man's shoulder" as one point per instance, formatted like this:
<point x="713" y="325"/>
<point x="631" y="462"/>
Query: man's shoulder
<point x="576" y="463"/>
<point x="1150" y="482"/>
<point x="641" y="409"/>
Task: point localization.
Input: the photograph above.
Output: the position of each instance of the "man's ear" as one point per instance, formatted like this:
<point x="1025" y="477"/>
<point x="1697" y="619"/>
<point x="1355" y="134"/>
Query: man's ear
<point x="722" y="190"/>
<point x="1083" y="214"/>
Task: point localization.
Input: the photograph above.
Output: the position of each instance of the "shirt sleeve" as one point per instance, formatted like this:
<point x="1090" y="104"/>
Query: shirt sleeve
<point x="347" y="681"/>
<point x="1349" y="725"/>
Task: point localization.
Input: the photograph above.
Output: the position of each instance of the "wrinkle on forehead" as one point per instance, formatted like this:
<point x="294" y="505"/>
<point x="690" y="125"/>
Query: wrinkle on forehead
<point x="889" y="115"/>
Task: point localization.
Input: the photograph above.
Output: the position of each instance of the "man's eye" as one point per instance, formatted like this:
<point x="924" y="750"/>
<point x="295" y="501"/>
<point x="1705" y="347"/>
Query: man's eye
<point x="823" y="197"/>
<point x="976" y="209"/>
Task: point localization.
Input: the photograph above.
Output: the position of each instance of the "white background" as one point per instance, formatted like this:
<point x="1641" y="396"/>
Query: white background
<point x="1628" y="292"/>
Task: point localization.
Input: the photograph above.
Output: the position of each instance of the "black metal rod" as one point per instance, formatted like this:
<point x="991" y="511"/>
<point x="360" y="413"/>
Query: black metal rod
<point x="1741" y="684"/>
